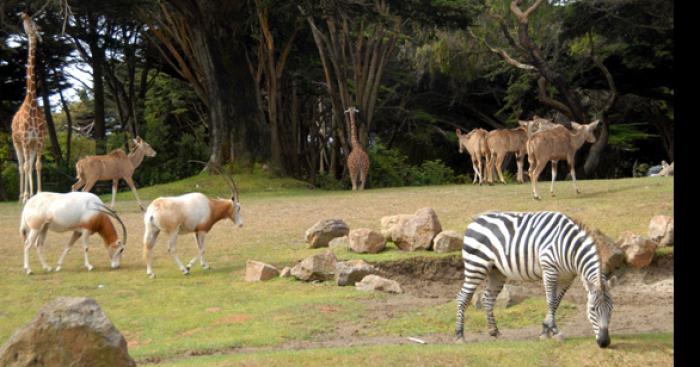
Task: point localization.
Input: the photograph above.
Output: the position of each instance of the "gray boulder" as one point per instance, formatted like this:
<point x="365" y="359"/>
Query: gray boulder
<point x="316" y="267"/>
<point x="351" y="272"/>
<point x="324" y="231"/>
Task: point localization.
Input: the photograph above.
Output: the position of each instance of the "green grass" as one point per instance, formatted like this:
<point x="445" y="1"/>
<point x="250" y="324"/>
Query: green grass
<point x="431" y="320"/>
<point x="210" y="310"/>
<point x="639" y="350"/>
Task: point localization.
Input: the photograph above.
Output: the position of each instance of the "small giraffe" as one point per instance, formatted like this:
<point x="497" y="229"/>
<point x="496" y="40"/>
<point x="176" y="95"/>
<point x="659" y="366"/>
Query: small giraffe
<point x="28" y="124"/>
<point x="358" y="161"/>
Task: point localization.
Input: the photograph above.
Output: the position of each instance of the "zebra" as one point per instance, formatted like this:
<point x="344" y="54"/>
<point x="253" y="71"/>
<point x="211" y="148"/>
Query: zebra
<point x="532" y="246"/>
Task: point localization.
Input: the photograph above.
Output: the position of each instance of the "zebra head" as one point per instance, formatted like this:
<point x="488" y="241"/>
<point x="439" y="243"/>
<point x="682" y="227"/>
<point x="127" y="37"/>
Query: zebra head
<point x="600" y="306"/>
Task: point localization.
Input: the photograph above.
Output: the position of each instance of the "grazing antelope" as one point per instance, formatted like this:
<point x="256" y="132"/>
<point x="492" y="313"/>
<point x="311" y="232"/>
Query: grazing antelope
<point x="502" y="142"/>
<point x="189" y="213"/>
<point x="474" y="143"/>
<point x="113" y="166"/>
<point x="80" y="212"/>
<point x="556" y="144"/>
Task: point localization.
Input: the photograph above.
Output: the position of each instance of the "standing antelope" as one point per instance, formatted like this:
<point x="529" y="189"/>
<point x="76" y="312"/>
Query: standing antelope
<point x="474" y="143"/>
<point x="80" y="212"/>
<point x="189" y="213"/>
<point x="556" y="144"/>
<point x="502" y="142"/>
<point x="113" y="166"/>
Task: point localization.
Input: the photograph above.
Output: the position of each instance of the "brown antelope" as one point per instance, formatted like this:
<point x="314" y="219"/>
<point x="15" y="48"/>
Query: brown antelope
<point x="189" y="213"/>
<point x="80" y="212"/>
<point x="113" y="166"/>
<point x="474" y="143"/>
<point x="500" y="143"/>
<point x="556" y="144"/>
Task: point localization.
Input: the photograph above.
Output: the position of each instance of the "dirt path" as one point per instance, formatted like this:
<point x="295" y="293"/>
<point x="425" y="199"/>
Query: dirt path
<point x="643" y="304"/>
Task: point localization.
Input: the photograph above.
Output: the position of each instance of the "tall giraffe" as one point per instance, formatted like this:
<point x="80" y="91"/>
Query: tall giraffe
<point x="358" y="161"/>
<point x="28" y="124"/>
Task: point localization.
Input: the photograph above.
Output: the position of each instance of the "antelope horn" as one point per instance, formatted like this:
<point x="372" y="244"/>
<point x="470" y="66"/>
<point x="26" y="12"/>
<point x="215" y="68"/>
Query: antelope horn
<point x="227" y="177"/>
<point x="105" y="209"/>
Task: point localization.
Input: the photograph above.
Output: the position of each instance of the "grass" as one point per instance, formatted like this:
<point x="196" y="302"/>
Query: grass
<point x="639" y="350"/>
<point x="209" y="310"/>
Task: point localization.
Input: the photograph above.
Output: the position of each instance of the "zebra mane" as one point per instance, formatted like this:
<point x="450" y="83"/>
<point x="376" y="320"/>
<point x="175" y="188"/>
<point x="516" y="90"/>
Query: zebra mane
<point x="599" y="241"/>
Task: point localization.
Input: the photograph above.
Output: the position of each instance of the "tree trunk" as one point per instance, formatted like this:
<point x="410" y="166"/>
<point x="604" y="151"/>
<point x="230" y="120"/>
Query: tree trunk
<point x="69" y="122"/>
<point x="97" y="63"/>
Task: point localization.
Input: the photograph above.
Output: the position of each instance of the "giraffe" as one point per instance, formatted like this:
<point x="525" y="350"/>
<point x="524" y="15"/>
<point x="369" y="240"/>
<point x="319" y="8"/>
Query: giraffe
<point x="358" y="161"/>
<point x="28" y="124"/>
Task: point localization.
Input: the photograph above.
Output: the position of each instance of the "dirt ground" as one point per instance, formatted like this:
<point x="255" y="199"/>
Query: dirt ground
<point x="643" y="301"/>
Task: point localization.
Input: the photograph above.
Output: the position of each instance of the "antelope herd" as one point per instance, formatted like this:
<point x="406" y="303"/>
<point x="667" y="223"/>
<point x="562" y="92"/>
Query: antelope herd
<point x="540" y="139"/>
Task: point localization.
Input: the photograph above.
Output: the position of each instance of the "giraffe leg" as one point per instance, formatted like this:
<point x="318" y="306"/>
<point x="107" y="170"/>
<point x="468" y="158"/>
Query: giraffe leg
<point x="28" y="183"/>
<point x="472" y="279"/>
<point x="20" y="165"/>
<point x="494" y="285"/>
<point x="38" y="166"/>
<point x="363" y="179"/>
<point x="353" y="179"/>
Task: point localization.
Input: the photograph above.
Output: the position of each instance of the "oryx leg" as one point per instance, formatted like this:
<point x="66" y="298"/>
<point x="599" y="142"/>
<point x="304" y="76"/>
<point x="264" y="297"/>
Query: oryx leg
<point x="172" y="243"/>
<point x="69" y="245"/>
<point x="199" y="239"/>
<point x="85" y="236"/>
<point x="28" y="242"/>
<point x="149" y="241"/>
<point x="40" y="247"/>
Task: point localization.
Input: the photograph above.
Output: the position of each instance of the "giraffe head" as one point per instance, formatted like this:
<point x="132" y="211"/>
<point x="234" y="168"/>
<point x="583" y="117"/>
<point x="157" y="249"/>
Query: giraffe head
<point x="30" y="27"/>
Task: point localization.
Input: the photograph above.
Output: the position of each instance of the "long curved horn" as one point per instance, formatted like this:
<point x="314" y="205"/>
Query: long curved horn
<point x="226" y="176"/>
<point x="105" y="209"/>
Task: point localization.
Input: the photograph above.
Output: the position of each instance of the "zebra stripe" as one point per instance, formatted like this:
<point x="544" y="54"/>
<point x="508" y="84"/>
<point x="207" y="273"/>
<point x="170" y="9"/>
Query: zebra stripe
<point x="532" y="246"/>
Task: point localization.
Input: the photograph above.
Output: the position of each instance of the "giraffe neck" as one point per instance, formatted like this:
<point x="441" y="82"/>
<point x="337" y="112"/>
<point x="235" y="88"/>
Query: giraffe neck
<point x="354" y="142"/>
<point x="31" y="62"/>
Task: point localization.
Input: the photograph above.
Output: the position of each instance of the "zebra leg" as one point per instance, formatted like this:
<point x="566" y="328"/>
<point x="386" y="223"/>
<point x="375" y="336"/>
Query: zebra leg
<point x="550" y="278"/>
<point x="472" y="279"/>
<point x="563" y="286"/>
<point x="494" y="285"/>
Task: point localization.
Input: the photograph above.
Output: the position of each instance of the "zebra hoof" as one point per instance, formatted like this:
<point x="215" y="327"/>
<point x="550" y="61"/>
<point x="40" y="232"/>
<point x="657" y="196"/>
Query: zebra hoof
<point x="559" y="337"/>
<point x="494" y="333"/>
<point x="459" y="340"/>
<point x="544" y="336"/>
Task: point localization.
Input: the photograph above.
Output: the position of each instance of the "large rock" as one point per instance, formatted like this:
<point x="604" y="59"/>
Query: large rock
<point x="256" y="271"/>
<point x="68" y="331"/>
<point x="510" y="295"/>
<point x="376" y="283"/>
<point x="639" y="251"/>
<point x="610" y="254"/>
<point x="364" y="240"/>
<point x="323" y="231"/>
<point x="351" y="272"/>
<point x="286" y="272"/>
<point x="316" y="267"/>
<point x="391" y="223"/>
<point x="447" y="241"/>
<point x="417" y="233"/>
<point x="661" y="230"/>
<point x="339" y="243"/>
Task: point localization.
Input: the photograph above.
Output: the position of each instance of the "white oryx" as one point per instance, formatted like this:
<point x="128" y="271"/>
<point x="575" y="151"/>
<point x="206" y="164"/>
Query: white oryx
<point x="80" y="212"/>
<point x="189" y="213"/>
